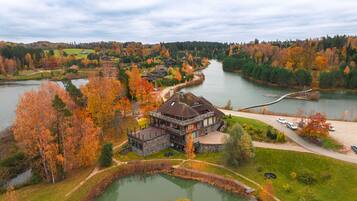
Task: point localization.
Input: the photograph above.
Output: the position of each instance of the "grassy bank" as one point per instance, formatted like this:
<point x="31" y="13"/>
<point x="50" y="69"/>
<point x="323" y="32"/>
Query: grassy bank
<point x="57" y="74"/>
<point x="335" y="180"/>
<point x="258" y="130"/>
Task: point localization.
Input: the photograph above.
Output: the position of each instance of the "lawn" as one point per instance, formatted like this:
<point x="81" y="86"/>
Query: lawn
<point x="336" y="180"/>
<point x="257" y="129"/>
<point x="159" y="155"/>
<point x="52" y="192"/>
<point x="76" y="52"/>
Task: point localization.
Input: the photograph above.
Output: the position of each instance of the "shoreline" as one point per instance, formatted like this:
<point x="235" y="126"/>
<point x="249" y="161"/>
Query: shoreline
<point x="270" y="84"/>
<point x="168" y="167"/>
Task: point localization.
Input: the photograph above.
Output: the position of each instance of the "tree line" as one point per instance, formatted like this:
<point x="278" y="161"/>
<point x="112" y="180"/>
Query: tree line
<point x="265" y="72"/>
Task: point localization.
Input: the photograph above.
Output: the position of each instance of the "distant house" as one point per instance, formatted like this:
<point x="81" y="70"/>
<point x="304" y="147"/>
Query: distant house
<point x="159" y="72"/>
<point x="169" y="126"/>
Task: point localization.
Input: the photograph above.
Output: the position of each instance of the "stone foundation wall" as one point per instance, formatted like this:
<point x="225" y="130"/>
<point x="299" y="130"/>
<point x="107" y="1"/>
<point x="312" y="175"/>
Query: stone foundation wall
<point x="155" y="145"/>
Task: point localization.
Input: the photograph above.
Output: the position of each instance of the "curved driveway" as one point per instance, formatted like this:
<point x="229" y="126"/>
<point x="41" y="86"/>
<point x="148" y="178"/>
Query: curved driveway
<point x="271" y="120"/>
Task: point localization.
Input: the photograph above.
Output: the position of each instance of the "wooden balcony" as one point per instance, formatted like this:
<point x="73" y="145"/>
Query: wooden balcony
<point x="182" y="122"/>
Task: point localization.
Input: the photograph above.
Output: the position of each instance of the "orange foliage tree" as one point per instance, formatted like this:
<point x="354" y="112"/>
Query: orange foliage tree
<point x="141" y="90"/>
<point x="316" y="126"/>
<point x="103" y="99"/>
<point x="189" y="149"/>
<point x="51" y="130"/>
<point x="267" y="192"/>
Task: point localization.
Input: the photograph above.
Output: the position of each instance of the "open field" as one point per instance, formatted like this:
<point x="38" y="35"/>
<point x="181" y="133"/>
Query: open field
<point x="79" y="53"/>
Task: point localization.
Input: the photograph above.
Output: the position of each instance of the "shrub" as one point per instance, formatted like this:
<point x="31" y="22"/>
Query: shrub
<point x="280" y="137"/>
<point x="307" y="195"/>
<point x="271" y="134"/>
<point x="287" y="188"/>
<point x="324" y="176"/>
<point x="307" y="177"/>
<point x="259" y="169"/>
<point x="293" y="175"/>
<point x="105" y="159"/>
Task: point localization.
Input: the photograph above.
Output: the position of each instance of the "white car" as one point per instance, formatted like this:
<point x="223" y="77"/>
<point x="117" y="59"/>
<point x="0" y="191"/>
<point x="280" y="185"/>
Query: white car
<point x="282" y="120"/>
<point x="291" y="125"/>
<point x="331" y="128"/>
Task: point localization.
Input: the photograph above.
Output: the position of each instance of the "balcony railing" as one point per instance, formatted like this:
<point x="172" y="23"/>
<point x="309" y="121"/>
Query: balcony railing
<point x="182" y="122"/>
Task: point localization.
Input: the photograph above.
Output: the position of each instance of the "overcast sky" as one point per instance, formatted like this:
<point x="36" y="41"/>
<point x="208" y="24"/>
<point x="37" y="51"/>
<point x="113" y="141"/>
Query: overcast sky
<point x="151" y="21"/>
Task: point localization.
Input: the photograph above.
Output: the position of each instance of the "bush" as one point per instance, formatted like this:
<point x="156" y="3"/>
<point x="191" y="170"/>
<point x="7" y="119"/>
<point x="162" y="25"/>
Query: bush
<point x="293" y="175"/>
<point x="259" y="169"/>
<point x="280" y="137"/>
<point x="271" y="134"/>
<point x="105" y="159"/>
<point x="307" y="195"/>
<point x="324" y="176"/>
<point x="307" y="177"/>
<point x="287" y="188"/>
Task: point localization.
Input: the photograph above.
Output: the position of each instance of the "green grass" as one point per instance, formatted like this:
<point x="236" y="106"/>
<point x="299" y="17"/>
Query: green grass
<point x="332" y="144"/>
<point x="341" y="185"/>
<point x="255" y="128"/>
<point x="51" y="192"/>
<point x="159" y="155"/>
<point x="76" y="52"/>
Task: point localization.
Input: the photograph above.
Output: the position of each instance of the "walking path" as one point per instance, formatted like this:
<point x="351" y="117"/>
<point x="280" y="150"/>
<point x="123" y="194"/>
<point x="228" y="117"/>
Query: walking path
<point x="271" y="120"/>
<point x="277" y="100"/>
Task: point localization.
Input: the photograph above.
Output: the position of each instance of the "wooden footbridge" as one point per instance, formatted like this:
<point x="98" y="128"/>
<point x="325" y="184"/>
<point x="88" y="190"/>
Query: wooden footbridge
<point x="276" y="101"/>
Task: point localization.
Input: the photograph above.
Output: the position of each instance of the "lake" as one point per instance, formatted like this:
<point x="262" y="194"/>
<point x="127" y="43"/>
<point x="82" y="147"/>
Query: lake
<point x="220" y="86"/>
<point x="10" y="93"/>
<point x="162" y="187"/>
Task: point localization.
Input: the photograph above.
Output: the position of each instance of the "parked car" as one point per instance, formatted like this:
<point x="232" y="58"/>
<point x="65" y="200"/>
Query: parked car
<point x="291" y="125"/>
<point x="282" y="120"/>
<point x="354" y="148"/>
<point x="331" y="128"/>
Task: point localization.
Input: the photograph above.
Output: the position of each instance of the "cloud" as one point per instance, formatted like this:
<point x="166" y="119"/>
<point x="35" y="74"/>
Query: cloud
<point x="152" y="21"/>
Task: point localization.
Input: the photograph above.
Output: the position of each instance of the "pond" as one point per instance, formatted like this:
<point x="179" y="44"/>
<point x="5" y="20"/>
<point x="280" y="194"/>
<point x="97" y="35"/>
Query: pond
<point x="161" y="187"/>
<point x="220" y="86"/>
<point x="10" y="93"/>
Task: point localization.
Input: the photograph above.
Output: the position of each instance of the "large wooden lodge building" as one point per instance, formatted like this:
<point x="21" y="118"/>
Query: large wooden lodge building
<point x="169" y="126"/>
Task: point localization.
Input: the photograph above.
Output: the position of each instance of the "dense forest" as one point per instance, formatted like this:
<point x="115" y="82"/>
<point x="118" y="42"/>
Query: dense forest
<point x="328" y="62"/>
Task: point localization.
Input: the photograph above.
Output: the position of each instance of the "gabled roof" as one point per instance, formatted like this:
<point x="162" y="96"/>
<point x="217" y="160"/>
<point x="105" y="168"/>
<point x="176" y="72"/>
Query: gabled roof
<point x="187" y="106"/>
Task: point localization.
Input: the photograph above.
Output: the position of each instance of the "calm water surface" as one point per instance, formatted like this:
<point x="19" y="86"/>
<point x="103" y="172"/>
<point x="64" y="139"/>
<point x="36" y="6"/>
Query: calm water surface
<point x="163" y="188"/>
<point x="220" y="86"/>
<point x="10" y="93"/>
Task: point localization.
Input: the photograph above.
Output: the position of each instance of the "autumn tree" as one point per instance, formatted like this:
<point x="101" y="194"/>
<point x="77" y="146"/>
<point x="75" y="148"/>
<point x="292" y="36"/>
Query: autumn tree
<point x="103" y="99"/>
<point x="189" y="149"/>
<point x="320" y="62"/>
<point x="134" y="80"/>
<point x="316" y="126"/>
<point x="11" y="194"/>
<point x="33" y="125"/>
<point x="267" y="192"/>
<point x="52" y="130"/>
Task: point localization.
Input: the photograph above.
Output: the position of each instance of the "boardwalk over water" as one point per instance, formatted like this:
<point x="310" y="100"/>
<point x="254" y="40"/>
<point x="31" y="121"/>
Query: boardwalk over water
<point x="276" y="101"/>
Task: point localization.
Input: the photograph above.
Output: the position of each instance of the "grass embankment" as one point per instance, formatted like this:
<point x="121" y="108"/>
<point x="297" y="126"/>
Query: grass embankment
<point x="335" y="180"/>
<point x="57" y="74"/>
<point x="256" y="129"/>
<point x="159" y="155"/>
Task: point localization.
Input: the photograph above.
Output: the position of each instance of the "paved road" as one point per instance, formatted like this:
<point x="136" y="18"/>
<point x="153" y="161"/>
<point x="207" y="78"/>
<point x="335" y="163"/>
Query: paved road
<point x="271" y="120"/>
